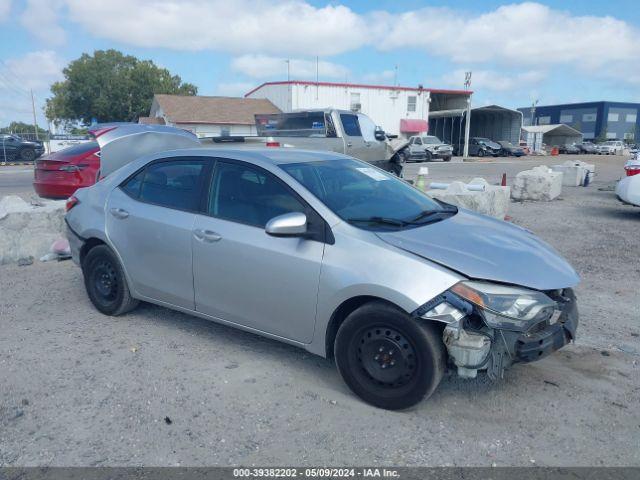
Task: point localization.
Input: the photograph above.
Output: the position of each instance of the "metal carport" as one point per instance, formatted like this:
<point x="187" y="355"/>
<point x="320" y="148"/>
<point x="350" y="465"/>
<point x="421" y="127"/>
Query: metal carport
<point x="493" y="122"/>
<point x="552" y="135"/>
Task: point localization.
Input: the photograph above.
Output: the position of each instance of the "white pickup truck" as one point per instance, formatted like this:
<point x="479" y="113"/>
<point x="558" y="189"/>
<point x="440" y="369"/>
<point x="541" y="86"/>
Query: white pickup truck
<point x="340" y="131"/>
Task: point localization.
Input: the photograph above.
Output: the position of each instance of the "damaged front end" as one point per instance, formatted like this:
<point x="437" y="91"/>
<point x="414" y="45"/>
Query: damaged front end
<point x="490" y="326"/>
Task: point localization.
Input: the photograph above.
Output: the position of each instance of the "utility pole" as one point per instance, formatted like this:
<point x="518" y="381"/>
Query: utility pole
<point x="289" y="99"/>
<point x="533" y="111"/>
<point x="33" y="107"/>
<point x="467" y="125"/>
<point x="395" y="76"/>
<point x="317" y="76"/>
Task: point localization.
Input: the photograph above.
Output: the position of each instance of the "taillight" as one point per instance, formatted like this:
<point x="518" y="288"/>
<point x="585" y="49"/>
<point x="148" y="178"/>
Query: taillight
<point x="631" y="171"/>
<point x="273" y="144"/>
<point x="71" y="202"/>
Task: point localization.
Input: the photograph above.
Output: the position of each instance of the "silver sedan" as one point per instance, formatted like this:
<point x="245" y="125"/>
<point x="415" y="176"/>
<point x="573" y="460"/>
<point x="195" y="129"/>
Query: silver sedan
<point x="327" y="253"/>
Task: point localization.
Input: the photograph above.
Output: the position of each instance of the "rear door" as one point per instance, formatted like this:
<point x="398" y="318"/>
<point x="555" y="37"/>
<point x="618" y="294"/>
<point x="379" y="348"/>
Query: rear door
<point x="241" y="274"/>
<point x="150" y="220"/>
<point x="353" y="141"/>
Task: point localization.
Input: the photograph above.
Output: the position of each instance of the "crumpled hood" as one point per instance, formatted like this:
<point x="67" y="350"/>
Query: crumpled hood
<point x="481" y="247"/>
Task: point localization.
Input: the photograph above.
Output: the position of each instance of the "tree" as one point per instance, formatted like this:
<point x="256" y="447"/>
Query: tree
<point x="109" y="86"/>
<point x="21" y="127"/>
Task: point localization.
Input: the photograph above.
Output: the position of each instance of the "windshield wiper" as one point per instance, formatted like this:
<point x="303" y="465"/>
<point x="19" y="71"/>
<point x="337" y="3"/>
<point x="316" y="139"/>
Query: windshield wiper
<point x="380" y="221"/>
<point x="431" y="216"/>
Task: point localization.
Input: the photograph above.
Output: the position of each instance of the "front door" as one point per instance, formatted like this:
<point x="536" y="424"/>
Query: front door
<point x="241" y="274"/>
<point x="353" y="141"/>
<point x="150" y="222"/>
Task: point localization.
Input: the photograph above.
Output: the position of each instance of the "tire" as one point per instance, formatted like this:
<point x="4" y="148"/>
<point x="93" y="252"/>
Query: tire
<point x="427" y="156"/>
<point x="105" y="282"/>
<point x="446" y="159"/>
<point x="481" y="153"/>
<point x="28" y="155"/>
<point x="370" y="341"/>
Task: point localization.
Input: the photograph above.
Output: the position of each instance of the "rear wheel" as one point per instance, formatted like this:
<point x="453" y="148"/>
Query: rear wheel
<point x="387" y="358"/>
<point x="447" y="159"/>
<point x="105" y="282"/>
<point x="28" y="155"/>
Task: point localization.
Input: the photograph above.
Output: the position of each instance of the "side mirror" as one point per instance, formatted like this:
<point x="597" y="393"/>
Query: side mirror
<point x="380" y="135"/>
<point x="292" y="224"/>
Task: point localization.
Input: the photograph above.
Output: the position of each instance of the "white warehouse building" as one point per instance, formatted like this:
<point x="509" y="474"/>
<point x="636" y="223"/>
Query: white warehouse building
<point x="402" y="111"/>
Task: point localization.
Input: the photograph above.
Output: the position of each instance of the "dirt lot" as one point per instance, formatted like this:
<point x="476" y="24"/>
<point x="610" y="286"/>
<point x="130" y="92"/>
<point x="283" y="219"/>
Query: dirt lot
<point x="157" y="387"/>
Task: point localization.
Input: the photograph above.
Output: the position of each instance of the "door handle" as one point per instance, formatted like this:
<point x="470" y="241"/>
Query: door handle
<point x="208" y="236"/>
<point x="349" y="144"/>
<point x="119" y="213"/>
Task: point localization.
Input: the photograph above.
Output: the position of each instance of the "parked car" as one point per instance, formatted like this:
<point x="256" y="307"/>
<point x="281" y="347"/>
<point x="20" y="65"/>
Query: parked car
<point x="332" y="130"/>
<point x="587" y="147"/>
<point x="59" y="174"/>
<point x="510" y="150"/>
<point x="426" y="148"/>
<point x="13" y="148"/>
<point x="628" y="189"/>
<point x="525" y="148"/>
<point x="321" y="251"/>
<point x="570" y="149"/>
<point x="483" y="147"/>
<point x="612" y="147"/>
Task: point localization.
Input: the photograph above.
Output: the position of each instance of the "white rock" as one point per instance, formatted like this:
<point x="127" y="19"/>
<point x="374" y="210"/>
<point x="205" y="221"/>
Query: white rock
<point x="493" y="200"/>
<point x="28" y="230"/>
<point x="539" y="183"/>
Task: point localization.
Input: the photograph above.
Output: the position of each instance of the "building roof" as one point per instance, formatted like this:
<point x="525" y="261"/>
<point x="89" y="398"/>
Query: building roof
<point x="151" y="120"/>
<point x="558" y="128"/>
<point x="362" y="85"/>
<point x="213" y="110"/>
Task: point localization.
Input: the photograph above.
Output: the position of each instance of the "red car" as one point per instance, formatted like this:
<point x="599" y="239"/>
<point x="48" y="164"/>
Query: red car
<point x="60" y="174"/>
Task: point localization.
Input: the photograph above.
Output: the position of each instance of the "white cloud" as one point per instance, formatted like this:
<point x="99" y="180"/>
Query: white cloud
<point x="234" y="89"/>
<point x="41" y="17"/>
<point x="5" y="9"/>
<point x="525" y="34"/>
<point x="263" y="66"/>
<point x="380" y="77"/>
<point x="35" y="70"/>
<point x="242" y="26"/>
<point x="495" y="81"/>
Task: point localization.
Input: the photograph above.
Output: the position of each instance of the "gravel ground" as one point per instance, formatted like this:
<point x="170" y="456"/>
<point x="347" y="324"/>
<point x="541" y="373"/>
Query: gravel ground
<point x="156" y="387"/>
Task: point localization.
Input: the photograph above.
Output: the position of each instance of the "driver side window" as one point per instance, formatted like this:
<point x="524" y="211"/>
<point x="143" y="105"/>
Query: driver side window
<point x="249" y="195"/>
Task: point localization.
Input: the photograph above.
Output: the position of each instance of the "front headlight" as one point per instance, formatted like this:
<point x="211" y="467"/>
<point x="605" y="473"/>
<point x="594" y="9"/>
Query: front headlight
<point x="511" y="308"/>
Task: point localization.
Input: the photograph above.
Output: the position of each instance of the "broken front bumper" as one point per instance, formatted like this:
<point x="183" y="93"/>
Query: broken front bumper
<point x="473" y="346"/>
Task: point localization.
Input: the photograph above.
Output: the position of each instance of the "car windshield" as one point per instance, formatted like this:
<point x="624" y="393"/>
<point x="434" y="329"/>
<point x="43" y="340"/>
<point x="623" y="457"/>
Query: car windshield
<point x="506" y="144"/>
<point x="431" y="140"/>
<point x="367" y="197"/>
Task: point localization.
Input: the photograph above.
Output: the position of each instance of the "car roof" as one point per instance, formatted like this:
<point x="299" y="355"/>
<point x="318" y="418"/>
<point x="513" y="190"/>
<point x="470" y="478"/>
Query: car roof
<point x="273" y="155"/>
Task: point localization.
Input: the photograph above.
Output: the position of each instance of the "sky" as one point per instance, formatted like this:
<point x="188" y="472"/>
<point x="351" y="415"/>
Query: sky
<point x="553" y="51"/>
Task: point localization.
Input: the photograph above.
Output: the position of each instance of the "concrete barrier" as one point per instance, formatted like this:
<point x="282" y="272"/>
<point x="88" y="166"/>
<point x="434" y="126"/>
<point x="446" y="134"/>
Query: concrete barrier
<point x="28" y="230"/>
<point x="539" y="183"/>
<point x="483" y="198"/>
<point x="574" y="172"/>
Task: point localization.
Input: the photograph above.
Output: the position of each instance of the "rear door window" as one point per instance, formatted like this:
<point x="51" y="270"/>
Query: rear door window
<point x="176" y="184"/>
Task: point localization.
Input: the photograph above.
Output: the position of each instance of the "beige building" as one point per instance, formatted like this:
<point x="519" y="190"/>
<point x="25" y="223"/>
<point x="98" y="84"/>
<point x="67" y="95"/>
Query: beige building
<point x="208" y="116"/>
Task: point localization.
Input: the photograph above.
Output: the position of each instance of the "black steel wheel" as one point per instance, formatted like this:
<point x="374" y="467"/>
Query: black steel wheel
<point x="387" y="358"/>
<point x="28" y="155"/>
<point x="105" y="282"/>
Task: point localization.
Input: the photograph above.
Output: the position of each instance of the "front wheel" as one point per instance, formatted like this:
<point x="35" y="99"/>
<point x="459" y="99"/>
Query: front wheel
<point x="105" y="282"/>
<point x="387" y="358"/>
<point x="481" y="153"/>
<point x="447" y="159"/>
